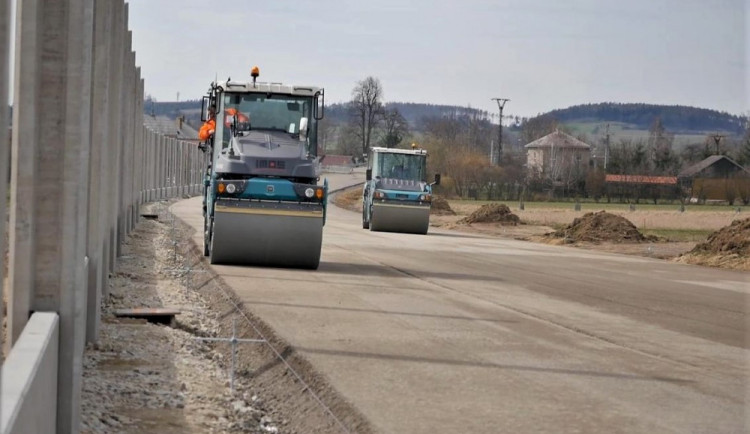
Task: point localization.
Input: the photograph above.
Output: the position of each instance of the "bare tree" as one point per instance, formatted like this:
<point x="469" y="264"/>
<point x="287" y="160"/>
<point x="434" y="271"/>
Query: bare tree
<point x="395" y="128"/>
<point x="366" y="108"/>
<point x="326" y="132"/>
<point x="538" y="127"/>
<point x="347" y="138"/>
<point x="663" y="158"/>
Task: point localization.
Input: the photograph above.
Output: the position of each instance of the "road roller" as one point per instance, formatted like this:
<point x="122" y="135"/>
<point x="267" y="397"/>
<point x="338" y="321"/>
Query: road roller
<point x="263" y="203"/>
<point x="396" y="196"/>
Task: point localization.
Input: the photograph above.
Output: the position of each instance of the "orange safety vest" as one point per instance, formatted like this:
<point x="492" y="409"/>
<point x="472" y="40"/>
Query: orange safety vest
<point x="207" y="129"/>
<point x="230" y="112"/>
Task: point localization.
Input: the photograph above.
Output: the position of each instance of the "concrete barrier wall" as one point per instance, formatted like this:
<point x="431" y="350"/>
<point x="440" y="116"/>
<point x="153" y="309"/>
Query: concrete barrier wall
<point x="29" y="376"/>
<point x="83" y="164"/>
<point x="4" y="137"/>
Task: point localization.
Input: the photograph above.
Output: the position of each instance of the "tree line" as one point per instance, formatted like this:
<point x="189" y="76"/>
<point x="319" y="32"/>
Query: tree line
<point x="676" y="118"/>
<point x="459" y="141"/>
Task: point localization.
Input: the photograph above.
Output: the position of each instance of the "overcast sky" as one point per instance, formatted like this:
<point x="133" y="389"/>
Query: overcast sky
<point x="542" y="54"/>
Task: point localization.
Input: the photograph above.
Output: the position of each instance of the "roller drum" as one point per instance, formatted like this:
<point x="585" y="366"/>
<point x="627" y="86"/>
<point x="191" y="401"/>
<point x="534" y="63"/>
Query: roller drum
<point x="267" y="234"/>
<point x="388" y="217"/>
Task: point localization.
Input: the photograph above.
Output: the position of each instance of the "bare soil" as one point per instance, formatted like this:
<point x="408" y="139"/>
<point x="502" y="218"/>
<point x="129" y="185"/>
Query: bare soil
<point x="728" y="247"/>
<point x="618" y="237"/>
<point x="440" y="206"/>
<point x="597" y="227"/>
<point x="540" y="221"/>
<point x="351" y="199"/>
<point x="642" y="219"/>
<point x="492" y="213"/>
<point x="141" y="377"/>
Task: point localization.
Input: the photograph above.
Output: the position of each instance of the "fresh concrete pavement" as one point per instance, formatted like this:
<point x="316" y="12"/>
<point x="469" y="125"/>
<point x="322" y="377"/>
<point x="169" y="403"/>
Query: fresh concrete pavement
<point x="456" y="333"/>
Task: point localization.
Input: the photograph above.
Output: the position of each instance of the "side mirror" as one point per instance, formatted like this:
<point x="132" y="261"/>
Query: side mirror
<point x="320" y="105"/>
<point x="437" y="179"/>
<point x="368" y="174"/>
<point x="204" y="108"/>
<point x="303" y="129"/>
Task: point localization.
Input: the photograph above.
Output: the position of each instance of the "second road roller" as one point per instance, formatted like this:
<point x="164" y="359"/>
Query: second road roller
<point x="396" y="196"/>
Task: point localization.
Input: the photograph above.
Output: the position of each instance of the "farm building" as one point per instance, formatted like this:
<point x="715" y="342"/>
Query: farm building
<point x="641" y="187"/>
<point x="717" y="178"/>
<point x="558" y="157"/>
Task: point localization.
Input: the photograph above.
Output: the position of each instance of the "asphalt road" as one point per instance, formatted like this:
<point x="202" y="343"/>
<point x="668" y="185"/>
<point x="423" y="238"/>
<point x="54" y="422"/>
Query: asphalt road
<point x="453" y="333"/>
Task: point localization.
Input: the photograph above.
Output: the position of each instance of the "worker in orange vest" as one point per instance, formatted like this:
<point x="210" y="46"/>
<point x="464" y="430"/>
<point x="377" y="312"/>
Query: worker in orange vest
<point x="229" y="115"/>
<point x="208" y="127"/>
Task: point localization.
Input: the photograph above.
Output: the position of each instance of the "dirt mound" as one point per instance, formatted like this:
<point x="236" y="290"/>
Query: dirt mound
<point x="440" y="206"/>
<point x="601" y="226"/>
<point x="350" y="199"/>
<point x="729" y="240"/>
<point x="492" y="213"/>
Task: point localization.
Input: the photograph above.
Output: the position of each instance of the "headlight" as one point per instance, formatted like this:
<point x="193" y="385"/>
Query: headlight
<point x="379" y="194"/>
<point x="231" y="188"/>
<point x="425" y="197"/>
<point x="309" y="193"/>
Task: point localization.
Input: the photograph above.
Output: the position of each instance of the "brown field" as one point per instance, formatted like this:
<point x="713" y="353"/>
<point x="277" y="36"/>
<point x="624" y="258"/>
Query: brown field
<point x="678" y="232"/>
<point x="648" y="219"/>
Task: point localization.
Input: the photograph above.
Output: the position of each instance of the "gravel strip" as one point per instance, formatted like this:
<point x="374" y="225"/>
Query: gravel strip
<point x="142" y="377"/>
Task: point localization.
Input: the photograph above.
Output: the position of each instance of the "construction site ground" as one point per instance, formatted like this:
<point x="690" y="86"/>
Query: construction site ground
<point x="450" y="332"/>
<point x="142" y="377"/>
<point x="677" y="232"/>
<point x="460" y="332"/>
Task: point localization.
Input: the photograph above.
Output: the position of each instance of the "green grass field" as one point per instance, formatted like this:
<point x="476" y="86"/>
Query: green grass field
<point x="692" y="235"/>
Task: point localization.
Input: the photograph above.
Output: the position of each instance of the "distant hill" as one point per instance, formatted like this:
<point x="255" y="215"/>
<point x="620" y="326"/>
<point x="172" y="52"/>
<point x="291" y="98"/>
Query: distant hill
<point x="689" y="124"/>
<point x="676" y="119"/>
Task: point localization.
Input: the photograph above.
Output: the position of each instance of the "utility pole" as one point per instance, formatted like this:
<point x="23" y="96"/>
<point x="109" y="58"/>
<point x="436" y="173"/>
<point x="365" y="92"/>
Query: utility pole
<point x="497" y="156"/>
<point x="606" y="150"/>
<point x="717" y="139"/>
